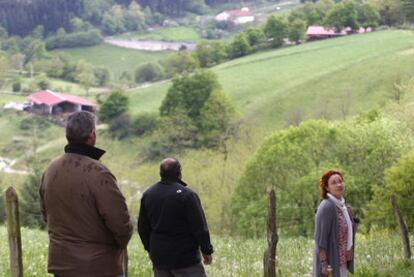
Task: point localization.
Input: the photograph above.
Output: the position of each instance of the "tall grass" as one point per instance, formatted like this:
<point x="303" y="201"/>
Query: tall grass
<point x="378" y="254"/>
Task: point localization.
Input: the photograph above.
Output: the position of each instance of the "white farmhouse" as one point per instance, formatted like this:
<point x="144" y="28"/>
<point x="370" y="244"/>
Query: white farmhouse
<point x="238" y="17"/>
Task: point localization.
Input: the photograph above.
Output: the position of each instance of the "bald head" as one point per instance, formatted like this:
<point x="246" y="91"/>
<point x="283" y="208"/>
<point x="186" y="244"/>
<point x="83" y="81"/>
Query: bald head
<point x="170" y="169"/>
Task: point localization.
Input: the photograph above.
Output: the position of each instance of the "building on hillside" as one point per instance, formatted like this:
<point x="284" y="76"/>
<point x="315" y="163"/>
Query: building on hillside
<point x="238" y="17"/>
<point x="48" y="102"/>
<point x="321" y="32"/>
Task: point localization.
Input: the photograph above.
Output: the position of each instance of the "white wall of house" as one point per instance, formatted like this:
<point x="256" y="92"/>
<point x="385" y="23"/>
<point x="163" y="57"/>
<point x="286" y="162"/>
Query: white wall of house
<point x="224" y="16"/>
<point x="243" y="19"/>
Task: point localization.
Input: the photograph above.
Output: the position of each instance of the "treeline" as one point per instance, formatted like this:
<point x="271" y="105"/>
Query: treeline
<point x="275" y="32"/>
<point x="21" y="17"/>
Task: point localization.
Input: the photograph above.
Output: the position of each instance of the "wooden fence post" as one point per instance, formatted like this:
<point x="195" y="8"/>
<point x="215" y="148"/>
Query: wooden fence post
<point x="13" y="229"/>
<point x="403" y="227"/>
<point x="269" y="258"/>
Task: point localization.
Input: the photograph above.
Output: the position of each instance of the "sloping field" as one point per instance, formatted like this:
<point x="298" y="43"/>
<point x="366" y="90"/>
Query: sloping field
<point x="116" y="59"/>
<point x="332" y="78"/>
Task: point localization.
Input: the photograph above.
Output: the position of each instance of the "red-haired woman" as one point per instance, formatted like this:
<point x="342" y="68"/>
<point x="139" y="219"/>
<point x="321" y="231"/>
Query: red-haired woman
<point x="334" y="229"/>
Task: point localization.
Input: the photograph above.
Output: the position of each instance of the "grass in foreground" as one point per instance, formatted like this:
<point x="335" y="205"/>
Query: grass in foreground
<point x="378" y="254"/>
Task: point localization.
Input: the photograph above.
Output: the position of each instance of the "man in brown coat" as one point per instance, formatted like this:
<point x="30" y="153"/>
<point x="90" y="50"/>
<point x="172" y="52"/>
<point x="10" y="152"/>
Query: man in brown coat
<point x="86" y="214"/>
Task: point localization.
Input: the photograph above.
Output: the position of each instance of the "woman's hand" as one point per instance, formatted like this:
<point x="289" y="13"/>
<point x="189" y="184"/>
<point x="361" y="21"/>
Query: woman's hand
<point x="324" y="268"/>
<point x="349" y="255"/>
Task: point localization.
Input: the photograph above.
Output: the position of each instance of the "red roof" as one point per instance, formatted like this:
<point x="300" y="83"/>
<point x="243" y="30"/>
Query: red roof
<point x="51" y="98"/>
<point x="320" y="31"/>
<point x="238" y="13"/>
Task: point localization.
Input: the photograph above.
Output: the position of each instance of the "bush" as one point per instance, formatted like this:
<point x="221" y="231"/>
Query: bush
<point x="144" y="123"/>
<point x="78" y="39"/>
<point x="120" y="127"/>
<point x="34" y="121"/>
<point x="148" y="72"/>
<point x="17" y="86"/>
<point x="116" y="104"/>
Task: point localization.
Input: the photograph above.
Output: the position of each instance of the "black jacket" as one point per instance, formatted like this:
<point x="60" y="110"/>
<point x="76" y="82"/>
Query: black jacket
<point x="172" y="225"/>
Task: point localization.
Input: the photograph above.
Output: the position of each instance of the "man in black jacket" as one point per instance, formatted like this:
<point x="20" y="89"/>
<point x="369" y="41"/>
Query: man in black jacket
<point x="172" y="226"/>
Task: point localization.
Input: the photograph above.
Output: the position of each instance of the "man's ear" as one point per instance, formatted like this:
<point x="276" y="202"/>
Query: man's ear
<point x="91" y="138"/>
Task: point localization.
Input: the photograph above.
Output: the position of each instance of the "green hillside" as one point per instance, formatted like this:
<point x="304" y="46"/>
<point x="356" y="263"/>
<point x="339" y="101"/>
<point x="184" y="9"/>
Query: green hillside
<point x="333" y="79"/>
<point x="315" y="79"/>
<point x="116" y="59"/>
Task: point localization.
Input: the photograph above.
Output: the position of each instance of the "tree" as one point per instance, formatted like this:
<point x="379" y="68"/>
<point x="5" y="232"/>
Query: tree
<point x="42" y="82"/>
<point x="399" y="182"/>
<point x="210" y="53"/>
<point x="297" y="31"/>
<point x="148" y="72"/>
<point x="144" y="124"/>
<point x="38" y="32"/>
<point x="240" y="46"/>
<point x="173" y="134"/>
<point x="215" y="119"/>
<point x="115" y="105"/>
<point x="102" y="76"/>
<point x="292" y="161"/>
<point x="120" y="126"/>
<point x="189" y="93"/>
<point x="255" y="36"/>
<point x="17" y="61"/>
<point x="3" y="68"/>
<point x="276" y="30"/>
<point x="134" y="17"/>
<point x="368" y="16"/>
<point x="113" y="20"/>
<point x="31" y="215"/>
<point x="85" y="75"/>
<point x="408" y="9"/>
<point x="342" y="15"/>
<point x="180" y="62"/>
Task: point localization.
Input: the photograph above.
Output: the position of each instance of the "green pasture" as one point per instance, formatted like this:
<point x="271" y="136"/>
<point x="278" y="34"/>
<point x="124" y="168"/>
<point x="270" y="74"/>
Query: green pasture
<point x="378" y="254"/>
<point x="181" y="33"/>
<point x="332" y="78"/>
<point x="6" y="98"/>
<point x="116" y="59"/>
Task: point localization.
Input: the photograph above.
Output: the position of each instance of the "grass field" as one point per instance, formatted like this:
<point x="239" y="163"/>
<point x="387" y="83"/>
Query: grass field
<point x="334" y="79"/>
<point x="184" y="34"/>
<point x="315" y="79"/>
<point x="378" y="255"/>
<point x="116" y="59"/>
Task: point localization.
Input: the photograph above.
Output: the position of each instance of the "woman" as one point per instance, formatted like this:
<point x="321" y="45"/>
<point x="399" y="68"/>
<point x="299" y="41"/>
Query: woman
<point x="334" y="229"/>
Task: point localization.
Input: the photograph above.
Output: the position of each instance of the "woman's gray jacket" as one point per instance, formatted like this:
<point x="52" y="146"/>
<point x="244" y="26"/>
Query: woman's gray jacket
<point x="326" y="237"/>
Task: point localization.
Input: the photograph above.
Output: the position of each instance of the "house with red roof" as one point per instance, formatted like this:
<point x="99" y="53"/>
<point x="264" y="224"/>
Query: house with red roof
<point x="238" y="17"/>
<point x="321" y="32"/>
<point x="53" y="103"/>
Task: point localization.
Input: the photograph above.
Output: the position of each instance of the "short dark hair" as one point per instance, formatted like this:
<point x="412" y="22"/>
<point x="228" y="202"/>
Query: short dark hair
<point x="170" y="168"/>
<point x="79" y="125"/>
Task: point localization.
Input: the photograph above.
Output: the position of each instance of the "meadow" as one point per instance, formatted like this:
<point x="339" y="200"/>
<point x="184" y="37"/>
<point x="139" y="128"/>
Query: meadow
<point x="378" y="254"/>
<point x="333" y="79"/>
<point x="116" y="59"/>
<point x="181" y="33"/>
<point x="317" y="79"/>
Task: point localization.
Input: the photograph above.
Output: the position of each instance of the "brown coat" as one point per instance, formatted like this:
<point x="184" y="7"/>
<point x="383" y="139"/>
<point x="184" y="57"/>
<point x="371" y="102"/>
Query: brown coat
<point x="87" y="218"/>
